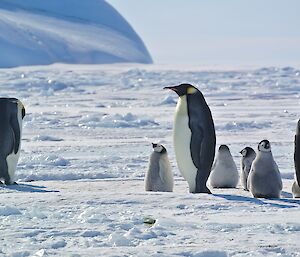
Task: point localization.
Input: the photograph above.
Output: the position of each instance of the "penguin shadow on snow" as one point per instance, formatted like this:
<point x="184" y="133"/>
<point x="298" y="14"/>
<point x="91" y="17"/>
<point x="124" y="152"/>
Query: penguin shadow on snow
<point x="28" y="188"/>
<point x="262" y="201"/>
<point x="286" y="194"/>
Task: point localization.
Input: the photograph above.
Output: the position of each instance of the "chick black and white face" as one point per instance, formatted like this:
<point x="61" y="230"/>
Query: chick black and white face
<point x="158" y="148"/>
<point x="264" y="146"/>
<point x="224" y="148"/>
<point x="244" y="152"/>
<point x="247" y="152"/>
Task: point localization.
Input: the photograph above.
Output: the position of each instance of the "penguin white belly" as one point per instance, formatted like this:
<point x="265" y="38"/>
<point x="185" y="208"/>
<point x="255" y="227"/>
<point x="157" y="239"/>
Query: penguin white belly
<point x="296" y="190"/>
<point x="12" y="161"/>
<point x="182" y="138"/>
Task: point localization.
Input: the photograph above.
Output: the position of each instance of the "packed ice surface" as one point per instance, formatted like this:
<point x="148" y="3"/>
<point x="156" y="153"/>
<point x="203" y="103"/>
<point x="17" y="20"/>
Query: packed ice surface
<point x="37" y="32"/>
<point x="85" y="150"/>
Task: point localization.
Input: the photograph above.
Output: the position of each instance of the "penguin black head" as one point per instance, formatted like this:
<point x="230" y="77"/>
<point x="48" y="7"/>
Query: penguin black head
<point x="247" y="151"/>
<point x="158" y="148"/>
<point x="223" y="148"/>
<point x="19" y="104"/>
<point x="264" y="146"/>
<point x="183" y="89"/>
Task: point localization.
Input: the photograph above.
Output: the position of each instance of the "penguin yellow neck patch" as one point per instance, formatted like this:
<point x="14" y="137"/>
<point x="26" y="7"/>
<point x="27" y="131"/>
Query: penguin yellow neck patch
<point x="191" y="90"/>
<point x="20" y="104"/>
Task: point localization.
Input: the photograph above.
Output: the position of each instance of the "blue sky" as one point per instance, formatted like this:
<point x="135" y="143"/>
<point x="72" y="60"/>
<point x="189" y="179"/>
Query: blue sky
<point x="217" y="32"/>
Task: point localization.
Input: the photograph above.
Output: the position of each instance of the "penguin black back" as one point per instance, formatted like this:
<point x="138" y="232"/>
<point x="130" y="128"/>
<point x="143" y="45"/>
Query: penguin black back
<point x="203" y="140"/>
<point x="7" y="109"/>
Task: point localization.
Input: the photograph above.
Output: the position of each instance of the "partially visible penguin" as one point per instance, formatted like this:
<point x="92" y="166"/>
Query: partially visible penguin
<point x="224" y="173"/>
<point x="264" y="179"/>
<point x="296" y="187"/>
<point x="159" y="176"/>
<point x="12" y="112"/>
<point x="194" y="137"/>
<point x="248" y="156"/>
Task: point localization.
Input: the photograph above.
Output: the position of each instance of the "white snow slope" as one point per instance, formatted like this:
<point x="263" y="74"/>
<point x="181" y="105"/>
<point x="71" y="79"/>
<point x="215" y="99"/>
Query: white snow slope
<point x="86" y="145"/>
<point x="34" y="32"/>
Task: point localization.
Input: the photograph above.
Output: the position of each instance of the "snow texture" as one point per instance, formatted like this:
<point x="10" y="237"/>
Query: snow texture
<point x="85" y="149"/>
<point x="34" y="32"/>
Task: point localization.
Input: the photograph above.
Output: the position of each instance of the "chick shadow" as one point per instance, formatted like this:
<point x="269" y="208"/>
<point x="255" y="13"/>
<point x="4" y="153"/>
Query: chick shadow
<point x="28" y="188"/>
<point x="284" y="203"/>
<point x="288" y="198"/>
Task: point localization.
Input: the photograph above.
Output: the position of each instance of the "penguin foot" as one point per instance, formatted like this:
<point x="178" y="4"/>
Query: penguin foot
<point x="206" y="191"/>
<point x="203" y="190"/>
<point x="8" y="183"/>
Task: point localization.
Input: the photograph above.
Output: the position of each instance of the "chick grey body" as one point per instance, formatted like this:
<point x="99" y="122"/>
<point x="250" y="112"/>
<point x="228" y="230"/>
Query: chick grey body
<point x="224" y="173"/>
<point x="159" y="176"/>
<point x="194" y="137"/>
<point x="12" y="113"/>
<point x="248" y="156"/>
<point x="296" y="184"/>
<point x="264" y="179"/>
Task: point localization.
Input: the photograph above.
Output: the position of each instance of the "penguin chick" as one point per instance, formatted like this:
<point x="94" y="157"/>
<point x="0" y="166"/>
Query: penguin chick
<point x="248" y="156"/>
<point x="159" y="176"/>
<point x="264" y="179"/>
<point x="224" y="173"/>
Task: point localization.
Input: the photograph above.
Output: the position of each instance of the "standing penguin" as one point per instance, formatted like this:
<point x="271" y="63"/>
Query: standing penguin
<point x="264" y="178"/>
<point x="224" y="173"/>
<point x="248" y="156"/>
<point x="296" y="184"/>
<point x="159" y="176"/>
<point x="194" y="137"/>
<point x="12" y="113"/>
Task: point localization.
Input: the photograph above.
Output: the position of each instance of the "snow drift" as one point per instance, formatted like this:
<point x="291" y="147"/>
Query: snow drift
<point x="71" y="31"/>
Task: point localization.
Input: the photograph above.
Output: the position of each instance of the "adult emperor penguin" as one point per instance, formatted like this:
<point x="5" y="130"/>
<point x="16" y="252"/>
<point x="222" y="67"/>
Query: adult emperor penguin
<point x="248" y="156"/>
<point x="159" y="176"/>
<point x="296" y="184"/>
<point x="194" y="137"/>
<point x="264" y="178"/>
<point x="12" y="112"/>
<point x="224" y="173"/>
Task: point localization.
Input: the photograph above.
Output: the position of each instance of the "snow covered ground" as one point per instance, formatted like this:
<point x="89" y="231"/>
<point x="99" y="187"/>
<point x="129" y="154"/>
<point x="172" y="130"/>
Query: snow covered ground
<point x="85" y="149"/>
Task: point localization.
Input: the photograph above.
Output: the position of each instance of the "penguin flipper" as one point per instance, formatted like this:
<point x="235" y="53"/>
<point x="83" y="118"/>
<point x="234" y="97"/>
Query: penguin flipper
<point x="244" y="168"/>
<point x="196" y="145"/>
<point x="17" y="133"/>
<point x="250" y="177"/>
